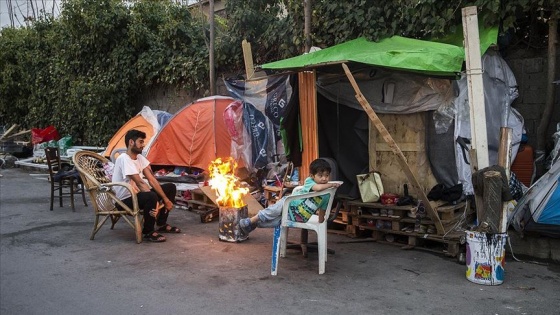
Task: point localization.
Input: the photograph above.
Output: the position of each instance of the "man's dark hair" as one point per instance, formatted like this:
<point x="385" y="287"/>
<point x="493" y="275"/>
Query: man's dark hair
<point x="133" y="135"/>
<point x="319" y="166"/>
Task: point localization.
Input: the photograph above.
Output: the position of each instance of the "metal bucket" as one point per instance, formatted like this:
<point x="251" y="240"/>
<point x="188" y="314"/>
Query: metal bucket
<point x="485" y="257"/>
<point x="228" y="226"/>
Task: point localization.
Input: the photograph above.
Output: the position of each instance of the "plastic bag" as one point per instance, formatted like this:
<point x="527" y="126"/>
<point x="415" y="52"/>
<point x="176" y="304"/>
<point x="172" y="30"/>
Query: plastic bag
<point x="370" y="185"/>
<point x="43" y="135"/>
<point x="64" y="144"/>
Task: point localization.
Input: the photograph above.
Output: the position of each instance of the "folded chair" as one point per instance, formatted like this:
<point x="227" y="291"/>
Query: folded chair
<point x="90" y="165"/>
<point x="66" y="183"/>
<point x="280" y="236"/>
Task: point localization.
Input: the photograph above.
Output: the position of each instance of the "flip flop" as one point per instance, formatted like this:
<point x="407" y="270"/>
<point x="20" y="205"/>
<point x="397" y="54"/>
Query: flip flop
<point x="169" y="229"/>
<point x="154" y="237"/>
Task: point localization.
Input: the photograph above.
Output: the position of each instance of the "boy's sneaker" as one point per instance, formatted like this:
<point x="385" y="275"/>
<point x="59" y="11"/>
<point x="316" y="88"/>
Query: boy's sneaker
<point x="246" y="226"/>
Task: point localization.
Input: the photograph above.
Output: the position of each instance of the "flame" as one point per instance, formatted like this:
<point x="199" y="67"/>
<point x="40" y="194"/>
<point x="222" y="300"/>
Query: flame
<point x="226" y="184"/>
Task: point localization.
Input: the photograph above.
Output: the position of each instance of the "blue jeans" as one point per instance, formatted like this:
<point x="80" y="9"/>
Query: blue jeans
<point x="271" y="216"/>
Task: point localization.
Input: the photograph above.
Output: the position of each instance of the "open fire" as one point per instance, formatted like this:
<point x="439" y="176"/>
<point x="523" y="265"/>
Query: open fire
<point x="226" y="184"/>
<point x="229" y="198"/>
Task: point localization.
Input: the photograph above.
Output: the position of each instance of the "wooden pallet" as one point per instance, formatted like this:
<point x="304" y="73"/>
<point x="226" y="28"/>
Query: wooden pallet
<point x="199" y="204"/>
<point x="452" y="243"/>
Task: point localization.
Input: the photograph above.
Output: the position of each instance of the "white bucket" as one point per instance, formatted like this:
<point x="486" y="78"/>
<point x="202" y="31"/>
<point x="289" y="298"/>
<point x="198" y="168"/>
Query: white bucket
<point x="486" y="257"/>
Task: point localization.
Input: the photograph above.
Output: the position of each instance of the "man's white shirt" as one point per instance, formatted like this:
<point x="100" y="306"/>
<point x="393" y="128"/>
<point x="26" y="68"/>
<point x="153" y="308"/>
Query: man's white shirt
<point x="125" y="166"/>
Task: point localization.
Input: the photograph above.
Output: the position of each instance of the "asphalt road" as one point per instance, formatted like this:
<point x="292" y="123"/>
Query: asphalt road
<point x="48" y="265"/>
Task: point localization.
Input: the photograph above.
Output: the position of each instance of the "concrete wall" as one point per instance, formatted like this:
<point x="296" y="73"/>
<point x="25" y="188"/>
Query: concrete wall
<point x="530" y="70"/>
<point x="171" y="99"/>
<point x="540" y="247"/>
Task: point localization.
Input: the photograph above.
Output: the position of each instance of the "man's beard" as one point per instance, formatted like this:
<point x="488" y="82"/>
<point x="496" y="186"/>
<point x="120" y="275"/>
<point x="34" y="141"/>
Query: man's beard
<point x="136" y="150"/>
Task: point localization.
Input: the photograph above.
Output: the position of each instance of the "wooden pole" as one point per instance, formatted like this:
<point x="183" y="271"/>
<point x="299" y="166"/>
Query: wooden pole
<point x="5" y="134"/>
<point x="504" y="160"/>
<point x="211" y="50"/>
<point x="307" y="24"/>
<point x="248" y="58"/>
<point x="479" y="138"/>
<point x="395" y="148"/>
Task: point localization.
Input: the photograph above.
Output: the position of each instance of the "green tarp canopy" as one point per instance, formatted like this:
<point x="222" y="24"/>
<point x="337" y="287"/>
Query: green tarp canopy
<point x="440" y="57"/>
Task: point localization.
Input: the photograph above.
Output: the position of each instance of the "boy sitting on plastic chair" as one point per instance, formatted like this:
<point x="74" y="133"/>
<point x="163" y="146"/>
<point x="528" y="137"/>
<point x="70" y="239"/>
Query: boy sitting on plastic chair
<point x="300" y="210"/>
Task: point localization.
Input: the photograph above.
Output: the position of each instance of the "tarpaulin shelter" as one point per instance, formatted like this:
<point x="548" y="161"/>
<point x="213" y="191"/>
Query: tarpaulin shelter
<point x="439" y="58"/>
<point x="396" y="76"/>
<point x="195" y="136"/>
<point x="147" y="120"/>
<point x="539" y="209"/>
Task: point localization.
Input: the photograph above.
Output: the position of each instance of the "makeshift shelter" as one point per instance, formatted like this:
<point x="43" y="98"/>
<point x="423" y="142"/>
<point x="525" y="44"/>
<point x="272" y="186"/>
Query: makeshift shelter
<point x="400" y="75"/>
<point x="194" y="136"/>
<point x="539" y="208"/>
<point x="147" y="120"/>
<point x="415" y="79"/>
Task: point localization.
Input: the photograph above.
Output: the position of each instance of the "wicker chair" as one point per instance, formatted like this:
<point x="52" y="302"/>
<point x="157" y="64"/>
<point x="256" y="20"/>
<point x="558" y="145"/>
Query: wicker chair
<point x="97" y="183"/>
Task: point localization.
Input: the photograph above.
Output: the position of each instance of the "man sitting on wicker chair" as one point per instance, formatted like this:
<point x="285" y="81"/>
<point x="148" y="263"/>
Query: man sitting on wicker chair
<point x="133" y="168"/>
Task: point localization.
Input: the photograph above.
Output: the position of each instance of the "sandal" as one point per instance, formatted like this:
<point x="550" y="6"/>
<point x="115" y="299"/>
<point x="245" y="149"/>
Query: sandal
<point x="154" y="237"/>
<point x="169" y="229"/>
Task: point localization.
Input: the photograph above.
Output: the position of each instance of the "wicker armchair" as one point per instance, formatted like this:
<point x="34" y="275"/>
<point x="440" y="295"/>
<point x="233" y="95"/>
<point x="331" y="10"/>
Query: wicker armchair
<point x="97" y="183"/>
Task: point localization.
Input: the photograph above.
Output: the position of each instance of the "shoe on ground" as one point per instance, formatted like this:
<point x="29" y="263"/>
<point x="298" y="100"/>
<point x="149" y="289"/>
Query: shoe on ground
<point x="246" y="226"/>
<point x="408" y="229"/>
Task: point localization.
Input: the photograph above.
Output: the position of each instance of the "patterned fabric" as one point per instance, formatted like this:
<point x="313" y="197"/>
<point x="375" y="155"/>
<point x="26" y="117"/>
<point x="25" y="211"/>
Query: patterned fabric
<point x="302" y="209"/>
<point x="515" y="186"/>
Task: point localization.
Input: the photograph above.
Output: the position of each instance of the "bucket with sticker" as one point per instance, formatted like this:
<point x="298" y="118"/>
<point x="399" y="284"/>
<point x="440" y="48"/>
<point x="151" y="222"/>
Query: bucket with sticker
<point x="485" y="257"/>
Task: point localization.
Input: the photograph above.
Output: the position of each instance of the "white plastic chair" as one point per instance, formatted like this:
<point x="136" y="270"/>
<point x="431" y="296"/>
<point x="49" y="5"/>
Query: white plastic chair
<point x="280" y="236"/>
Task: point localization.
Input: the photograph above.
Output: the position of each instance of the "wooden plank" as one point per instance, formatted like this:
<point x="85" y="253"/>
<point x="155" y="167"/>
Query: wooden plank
<point x="405" y="147"/>
<point x="504" y="160"/>
<point x="5" y="134"/>
<point x="253" y="206"/>
<point x="475" y="87"/>
<point x="19" y="134"/>
<point x="408" y="131"/>
<point x="248" y="58"/>
<point x="308" y="113"/>
<point x="401" y="159"/>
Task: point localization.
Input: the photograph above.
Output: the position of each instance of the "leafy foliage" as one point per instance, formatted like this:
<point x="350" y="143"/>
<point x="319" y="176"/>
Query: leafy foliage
<point x="339" y="21"/>
<point x="82" y="71"/>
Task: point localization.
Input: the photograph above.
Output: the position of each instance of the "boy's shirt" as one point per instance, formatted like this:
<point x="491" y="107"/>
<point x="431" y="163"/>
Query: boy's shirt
<point x="302" y="209"/>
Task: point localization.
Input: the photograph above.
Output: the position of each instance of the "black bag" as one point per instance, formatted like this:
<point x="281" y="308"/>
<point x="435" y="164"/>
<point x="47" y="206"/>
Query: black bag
<point x="60" y="175"/>
<point x="452" y="193"/>
<point x="436" y="192"/>
<point x="440" y="192"/>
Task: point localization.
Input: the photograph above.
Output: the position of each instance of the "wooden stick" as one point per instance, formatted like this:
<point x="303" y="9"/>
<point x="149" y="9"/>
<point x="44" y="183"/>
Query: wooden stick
<point x="504" y="160"/>
<point x="395" y="148"/>
<point x="18" y="134"/>
<point x="14" y="126"/>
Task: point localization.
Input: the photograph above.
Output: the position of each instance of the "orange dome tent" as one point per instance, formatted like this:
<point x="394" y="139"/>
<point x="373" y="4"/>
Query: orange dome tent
<point x="195" y="136"/>
<point x="145" y="121"/>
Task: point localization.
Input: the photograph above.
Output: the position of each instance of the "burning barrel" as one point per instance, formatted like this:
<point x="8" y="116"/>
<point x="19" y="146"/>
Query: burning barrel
<point x="230" y="199"/>
<point x="229" y="229"/>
